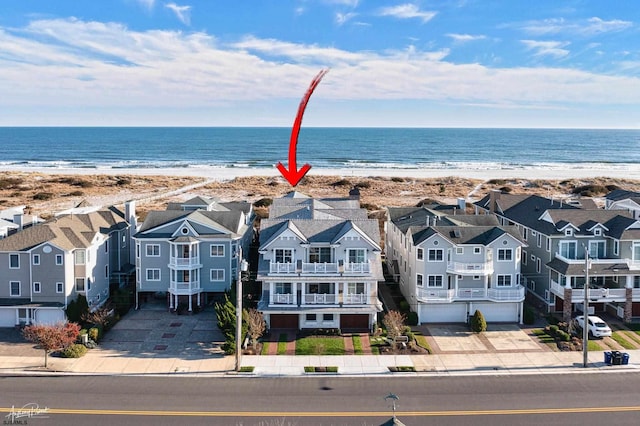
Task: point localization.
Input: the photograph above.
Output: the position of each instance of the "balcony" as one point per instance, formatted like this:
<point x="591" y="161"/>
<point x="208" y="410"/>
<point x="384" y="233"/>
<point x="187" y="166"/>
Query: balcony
<point x="506" y="294"/>
<point x="192" y="262"/>
<point x="357" y="268"/>
<point x="596" y="295"/>
<point x="282" y="268"/>
<point x="319" y="268"/>
<point x="355" y="299"/>
<point x="320" y="299"/>
<point x="461" y="268"/>
<point x="179" y="287"/>
<point x="282" y="299"/>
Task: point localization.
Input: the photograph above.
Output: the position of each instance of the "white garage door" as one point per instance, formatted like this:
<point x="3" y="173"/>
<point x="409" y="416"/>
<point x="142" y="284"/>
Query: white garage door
<point x="7" y="317"/>
<point x="451" y="312"/>
<point x="49" y="316"/>
<point x="497" y="312"/>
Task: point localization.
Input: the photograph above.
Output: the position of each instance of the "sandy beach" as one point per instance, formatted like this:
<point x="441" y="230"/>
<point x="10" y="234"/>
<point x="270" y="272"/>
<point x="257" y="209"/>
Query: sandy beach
<point x="46" y="191"/>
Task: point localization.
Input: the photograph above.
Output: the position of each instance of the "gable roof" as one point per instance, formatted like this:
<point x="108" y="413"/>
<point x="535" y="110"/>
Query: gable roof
<point x="623" y="194"/>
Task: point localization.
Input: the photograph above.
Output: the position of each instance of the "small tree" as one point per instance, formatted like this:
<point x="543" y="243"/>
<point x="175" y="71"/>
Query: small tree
<point x="52" y="337"/>
<point x="226" y="315"/>
<point x="478" y="323"/>
<point x="256" y="325"/>
<point x="394" y="322"/>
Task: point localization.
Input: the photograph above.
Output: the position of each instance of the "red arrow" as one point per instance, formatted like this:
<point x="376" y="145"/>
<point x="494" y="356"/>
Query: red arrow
<point x="292" y="174"/>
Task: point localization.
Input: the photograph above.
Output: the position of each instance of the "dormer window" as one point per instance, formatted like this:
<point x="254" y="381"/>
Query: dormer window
<point x="568" y="232"/>
<point x="597" y="232"/>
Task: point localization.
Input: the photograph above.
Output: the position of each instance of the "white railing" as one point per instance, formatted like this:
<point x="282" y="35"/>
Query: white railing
<point x="471" y="293"/>
<point x="182" y="286"/>
<point x="282" y="268"/>
<point x="431" y="295"/>
<point x="184" y="261"/>
<point x="284" y="298"/>
<point x="357" y="268"/>
<point x="319" y="268"/>
<point x="635" y="294"/>
<point x="557" y="289"/>
<point x="355" y="299"/>
<point x="494" y="294"/>
<point x="594" y="294"/>
<point x="320" y="299"/>
<point x="470" y="268"/>
<point x="500" y="294"/>
<point x="580" y="260"/>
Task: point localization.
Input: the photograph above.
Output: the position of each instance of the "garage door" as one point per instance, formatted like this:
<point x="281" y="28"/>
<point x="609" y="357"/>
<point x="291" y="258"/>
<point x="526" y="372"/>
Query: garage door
<point x="49" y="316"/>
<point x="498" y="312"/>
<point x="7" y="317"/>
<point x="284" y="321"/>
<point x="354" y="322"/>
<point x="451" y="312"/>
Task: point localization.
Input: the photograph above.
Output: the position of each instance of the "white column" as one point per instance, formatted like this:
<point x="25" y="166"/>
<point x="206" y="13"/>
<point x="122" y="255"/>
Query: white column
<point x="336" y="292"/>
<point x="271" y="292"/>
<point x="629" y="282"/>
<point x="190" y="300"/>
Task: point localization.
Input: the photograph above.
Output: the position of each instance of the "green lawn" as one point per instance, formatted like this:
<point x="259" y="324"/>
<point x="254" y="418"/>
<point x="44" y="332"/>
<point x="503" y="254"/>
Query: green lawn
<point x="357" y="344"/>
<point x="422" y="342"/>
<point x="320" y="346"/>
<point x="282" y="344"/>
<point x="265" y="348"/>
<point x="593" y="345"/>
<point x="621" y="339"/>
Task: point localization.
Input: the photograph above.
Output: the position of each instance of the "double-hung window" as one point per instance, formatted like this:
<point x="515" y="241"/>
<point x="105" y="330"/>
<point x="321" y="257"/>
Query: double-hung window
<point x="153" y="250"/>
<point x="419" y="280"/>
<point x="320" y="255"/>
<point x="434" y="281"/>
<point x="217" y="250"/>
<point x="217" y="275"/>
<point x="284" y="255"/>
<point x="505" y="255"/>
<point x="153" y="274"/>
<point x="14" y="288"/>
<point x="357" y="255"/>
<point x="436" y="255"/>
<point x="504" y="281"/>
<point x="14" y="261"/>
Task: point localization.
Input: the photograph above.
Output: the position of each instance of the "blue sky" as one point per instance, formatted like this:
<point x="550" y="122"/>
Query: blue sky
<point x="458" y="63"/>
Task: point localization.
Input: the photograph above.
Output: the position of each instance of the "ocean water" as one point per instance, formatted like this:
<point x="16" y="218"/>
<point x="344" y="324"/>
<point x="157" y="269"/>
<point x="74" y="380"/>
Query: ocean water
<point x="344" y="148"/>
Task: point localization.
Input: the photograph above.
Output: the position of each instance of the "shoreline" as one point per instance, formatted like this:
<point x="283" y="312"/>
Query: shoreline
<point x="229" y="173"/>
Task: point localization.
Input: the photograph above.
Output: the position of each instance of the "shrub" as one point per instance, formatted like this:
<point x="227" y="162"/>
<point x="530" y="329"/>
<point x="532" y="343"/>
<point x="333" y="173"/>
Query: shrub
<point x="403" y="306"/>
<point x="412" y="318"/>
<point x="342" y="182"/>
<point x="10" y="183"/>
<point x="410" y="335"/>
<point x="74" y="351"/>
<point x="478" y="323"/>
<point x="94" y="334"/>
<point x="42" y="196"/>
<point x="528" y="316"/>
<point x="553" y="330"/>
<point x="263" y="202"/>
<point x="363" y="185"/>
<point x="397" y="179"/>
<point x="76" y="194"/>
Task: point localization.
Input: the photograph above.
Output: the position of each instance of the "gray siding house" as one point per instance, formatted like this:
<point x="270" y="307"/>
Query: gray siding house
<point x="448" y="266"/>
<point x="559" y="236"/>
<point x="319" y="264"/>
<point x="46" y="266"/>
<point x="192" y="250"/>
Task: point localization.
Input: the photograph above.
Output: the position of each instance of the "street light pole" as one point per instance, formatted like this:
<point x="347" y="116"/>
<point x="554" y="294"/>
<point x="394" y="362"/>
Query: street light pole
<point x="241" y="266"/>
<point x="585" y="311"/>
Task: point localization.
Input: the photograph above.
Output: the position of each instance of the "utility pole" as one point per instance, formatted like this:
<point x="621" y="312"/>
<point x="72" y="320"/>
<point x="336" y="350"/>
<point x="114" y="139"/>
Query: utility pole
<point x="585" y="309"/>
<point x="241" y="266"/>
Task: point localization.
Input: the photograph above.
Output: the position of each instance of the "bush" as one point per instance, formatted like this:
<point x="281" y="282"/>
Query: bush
<point x="563" y="336"/>
<point x="412" y="318"/>
<point x="94" y="334"/>
<point x="528" y="316"/>
<point x="74" y="351"/>
<point x="363" y="185"/>
<point x="478" y="323"/>
<point x="342" y="182"/>
<point x="397" y="179"/>
<point x="42" y="196"/>
<point x="263" y="202"/>
<point x="553" y="329"/>
<point x="403" y="306"/>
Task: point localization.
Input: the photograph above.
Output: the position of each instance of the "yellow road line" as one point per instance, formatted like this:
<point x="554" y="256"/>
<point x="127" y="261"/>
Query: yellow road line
<point x="87" y="412"/>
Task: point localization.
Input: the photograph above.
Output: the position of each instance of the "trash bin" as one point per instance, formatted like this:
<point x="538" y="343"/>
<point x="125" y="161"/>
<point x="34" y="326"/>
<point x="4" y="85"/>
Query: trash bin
<point x="616" y="358"/>
<point x="625" y="358"/>
<point x="607" y="358"/>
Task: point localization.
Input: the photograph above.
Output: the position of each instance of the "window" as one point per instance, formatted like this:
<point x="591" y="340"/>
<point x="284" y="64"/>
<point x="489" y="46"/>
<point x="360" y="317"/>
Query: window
<point x="504" y="281"/>
<point x="477" y="250"/>
<point x="420" y="254"/>
<point x="524" y="257"/>
<point x="505" y="255"/>
<point x="217" y="275"/>
<point x="568" y="232"/>
<point x="14" y="288"/>
<point x="636" y="252"/>
<point x="568" y="249"/>
<point x="327" y="317"/>
<point x="476" y="277"/>
<point x="525" y="233"/>
<point x="321" y="288"/>
<point x="355" y="288"/>
<point x="320" y="255"/>
<point x="59" y="287"/>
<point x="539" y="240"/>
<point x="597" y="249"/>
<point x="616" y="247"/>
<point x="79" y="284"/>
<point x="357" y="255"/>
<point x="548" y="245"/>
<point x="153" y="250"/>
<point x="283" y="288"/>
<point x="597" y="232"/>
<point x="36" y="287"/>
<point x="217" y="250"/>
<point x="106" y="246"/>
<point x="310" y="317"/>
<point x="434" y="281"/>
<point x="153" y="274"/>
<point x="88" y="284"/>
<point x="436" y="255"/>
<point x="79" y="257"/>
<point x="58" y="259"/>
<point x="460" y="250"/>
<point x="36" y="259"/>
<point x="14" y="261"/>
<point x="284" y="256"/>
<point x="419" y="282"/>
<point x="636" y="281"/>
<point x="137" y="249"/>
<point x="106" y="271"/>
<point x="538" y="265"/>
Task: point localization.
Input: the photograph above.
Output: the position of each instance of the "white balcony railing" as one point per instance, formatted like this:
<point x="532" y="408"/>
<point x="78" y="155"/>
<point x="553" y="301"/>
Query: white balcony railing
<point x="357" y="268"/>
<point x="319" y="268"/>
<point x="515" y="294"/>
<point x="193" y="262"/>
<point x="320" y="299"/>
<point x="355" y="299"/>
<point x="594" y="294"/>
<point x="462" y="268"/>
<point x="431" y="295"/>
<point x="184" y="287"/>
<point x="284" y="298"/>
<point x="282" y="268"/>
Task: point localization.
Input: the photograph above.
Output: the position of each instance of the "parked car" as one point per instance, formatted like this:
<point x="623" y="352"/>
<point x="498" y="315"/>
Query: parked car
<point x="597" y="327"/>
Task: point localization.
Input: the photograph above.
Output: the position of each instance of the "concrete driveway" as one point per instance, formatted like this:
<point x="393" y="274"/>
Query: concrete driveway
<point x="452" y="338"/>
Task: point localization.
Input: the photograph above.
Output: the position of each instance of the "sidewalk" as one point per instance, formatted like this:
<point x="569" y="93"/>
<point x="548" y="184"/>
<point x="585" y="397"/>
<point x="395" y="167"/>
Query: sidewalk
<point x="108" y="362"/>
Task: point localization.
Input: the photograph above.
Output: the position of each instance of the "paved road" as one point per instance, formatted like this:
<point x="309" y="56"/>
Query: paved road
<point x="609" y="399"/>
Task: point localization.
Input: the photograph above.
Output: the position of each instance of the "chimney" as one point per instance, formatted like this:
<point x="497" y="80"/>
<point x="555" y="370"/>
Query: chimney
<point x="18" y="219"/>
<point x="354" y="194"/>
<point x="494" y="197"/>
<point x="130" y="213"/>
<point x="462" y="204"/>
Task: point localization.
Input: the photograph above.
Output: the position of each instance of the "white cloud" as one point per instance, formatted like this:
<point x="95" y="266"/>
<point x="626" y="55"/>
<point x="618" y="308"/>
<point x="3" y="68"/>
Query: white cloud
<point x="463" y="38"/>
<point x="147" y="4"/>
<point x="183" y="13"/>
<point x="407" y="11"/>
<point x="547" y="48"/>
<point x="589" y="27"/>
<point x="598" y="26"/>
<point x="342" y="18"/>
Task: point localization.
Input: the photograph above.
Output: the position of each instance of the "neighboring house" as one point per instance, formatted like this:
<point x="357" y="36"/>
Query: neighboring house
<point x="621" y="199"/>
<point x="46" y="266"/>
<point x="319" y="264"/>
<point x="448" y="266"/>
<point x="14" y="219"/>
<point x="559" y="235"/>
<point x="191" y="250"/>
